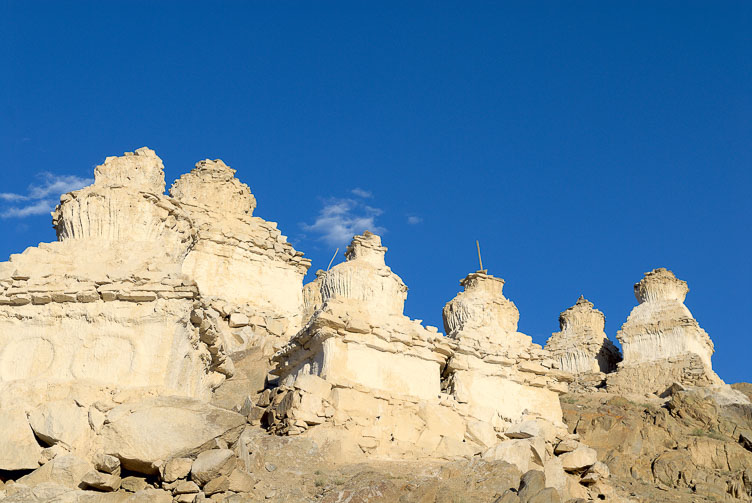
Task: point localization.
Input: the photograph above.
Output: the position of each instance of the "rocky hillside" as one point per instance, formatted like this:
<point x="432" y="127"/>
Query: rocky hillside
<point x="165" y="348"/>
<point x="693" y="446"/>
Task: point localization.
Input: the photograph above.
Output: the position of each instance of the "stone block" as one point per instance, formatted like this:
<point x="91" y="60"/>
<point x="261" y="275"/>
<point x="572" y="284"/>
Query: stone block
<point x="101" y="481"/>
<point x="579" y="459"/>
<point x="211" y="464"/>
<point x="313" y="384"/>
<point x="176" y="468"/>
<point x="19" y="449"/>
<point x="442" y="421"/>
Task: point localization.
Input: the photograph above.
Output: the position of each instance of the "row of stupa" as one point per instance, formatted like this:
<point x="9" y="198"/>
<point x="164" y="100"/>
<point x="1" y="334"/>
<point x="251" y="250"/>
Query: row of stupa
<point x="146" y="294"/>
<point x="662" y="342"/>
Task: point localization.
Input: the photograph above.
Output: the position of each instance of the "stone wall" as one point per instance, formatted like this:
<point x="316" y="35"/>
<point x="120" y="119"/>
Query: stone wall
<point x="147" y="291"/>
<point x="111" y="333"/>
<point x="239" y="258"/>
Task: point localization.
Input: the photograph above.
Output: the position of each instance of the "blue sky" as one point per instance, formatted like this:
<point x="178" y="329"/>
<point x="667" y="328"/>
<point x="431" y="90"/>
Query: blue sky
<point x="583" y="143"/>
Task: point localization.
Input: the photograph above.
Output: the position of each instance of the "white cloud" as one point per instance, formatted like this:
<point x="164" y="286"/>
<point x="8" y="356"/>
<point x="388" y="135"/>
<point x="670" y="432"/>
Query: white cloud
<point x="340" y="219"/>
<point x="40" y="207"/>
<point x="414" y="220"/>
<point x="38" y="200"/>
<point x="6" y="196"/>
<point x="362" y="192"/>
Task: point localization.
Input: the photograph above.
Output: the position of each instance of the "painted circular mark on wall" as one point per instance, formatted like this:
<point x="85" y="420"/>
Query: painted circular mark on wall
<point x="108" y="359"/>
<point x="26" y="358"/>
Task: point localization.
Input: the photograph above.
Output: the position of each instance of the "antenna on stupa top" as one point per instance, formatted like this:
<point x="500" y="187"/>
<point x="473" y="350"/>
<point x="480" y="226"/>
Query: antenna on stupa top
<point x="332" y="260"/>
<point x="480" y="260"/>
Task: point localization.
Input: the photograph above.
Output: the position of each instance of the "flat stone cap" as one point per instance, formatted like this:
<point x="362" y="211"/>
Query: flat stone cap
<point x="141" y="170"/>
<point x="366" y="247"/>
<point x="212" y="185"/>
<point x="660" y="284"/>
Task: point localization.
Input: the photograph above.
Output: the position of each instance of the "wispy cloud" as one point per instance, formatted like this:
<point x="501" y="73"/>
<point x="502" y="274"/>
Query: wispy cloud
<point x="342" y="218"/>
<point x="414" y="220"/>
<point x="362" y="192"/>
<point x="41" y="196"/>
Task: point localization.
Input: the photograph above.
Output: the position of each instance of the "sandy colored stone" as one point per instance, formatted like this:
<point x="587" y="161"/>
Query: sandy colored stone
<point x="101" y="481"/>
<point x="661" y="341"/>
<point x="19" y="449"/>
<point x="150" y="496"/>
<point x="238" y="257"/>
<point x="186" y="487"/>
<point x="176" y="468"/>
<point x="133" y="484"/>
<point x="365" y="277"/>
<point x="61" y="421"/>
<point x="582" y="345"/>
<point x="240" y="481"/>
<point x="217" y="485"/>
<point x="144" y="434"/>
<point x="106" y="463"/>
<point x="579" y="459"/>
<point x="517" y="452"/>
<point x="211" y="464"/>
<point x="67" y="470"/>
<point x="481" y="312"/>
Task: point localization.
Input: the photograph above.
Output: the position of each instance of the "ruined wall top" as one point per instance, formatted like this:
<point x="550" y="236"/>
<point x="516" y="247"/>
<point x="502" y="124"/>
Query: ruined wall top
<point x="365" y="277"/>
<point x="366" y="247"/>
<point x="660" y="284"/>
<point x="662" y="337"/>
<point x="582" y="315"/>
<point x="482" y="282"/>
<point x="481" y="311"/>
<point x="581" y="345"/>
<point x="141" y="170"/>
<point x="212" y="185"/>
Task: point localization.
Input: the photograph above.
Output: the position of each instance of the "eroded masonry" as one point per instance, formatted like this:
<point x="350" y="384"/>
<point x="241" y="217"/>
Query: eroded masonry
<point x="156" y="310"/>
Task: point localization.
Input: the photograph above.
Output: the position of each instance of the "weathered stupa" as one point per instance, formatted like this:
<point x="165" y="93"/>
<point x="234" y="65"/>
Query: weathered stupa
<point x="127" y="308"/>
<point x="360" y="367"/>
<point x="496" y="365"/>
<point x="661" y="341"/>
<point x="581" y="346"/>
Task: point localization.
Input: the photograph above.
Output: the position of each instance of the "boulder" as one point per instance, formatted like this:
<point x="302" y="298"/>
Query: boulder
<point x="46" y="492"/>
<point x="50" y="453"/>
<point x="531" y="428"/>
<point x="186" y="487"/>
<point x="133" y="484"/>
<point x="106" y="463"/>
<point x="60" y="421"/>
<point x="579" y="459"/>
<point x="67" y="470"/>
<point x="241" y="482"/>
<point x="19" y="449"/>
<point x="219" y="485"/>
<point x="482" y="433"/>
<point x="176" y="468"/>
<point x="566" y="445"/>
<point x="531" y="484"/>
<point x="144" y="434"/>
<point x="211" y="464"/>
<point x="548" y="495"/>
<point x="518" y="452"/>
<point x="101" y="481"/>
<point x="556" y="477"/>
